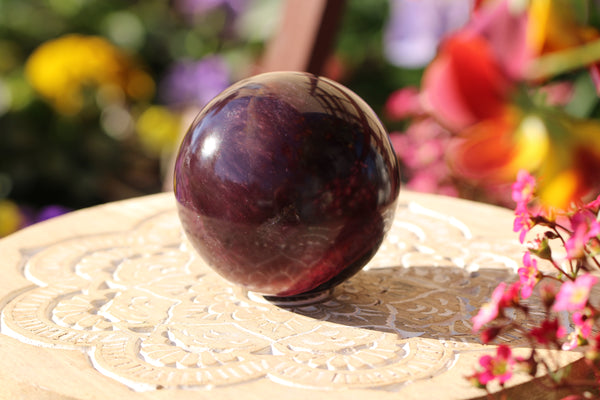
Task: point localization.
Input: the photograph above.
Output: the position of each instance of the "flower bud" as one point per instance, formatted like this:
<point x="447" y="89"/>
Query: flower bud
<point x="490" y="334"/>
<point x="540" y="248"/>
<point x="548" y="294"/>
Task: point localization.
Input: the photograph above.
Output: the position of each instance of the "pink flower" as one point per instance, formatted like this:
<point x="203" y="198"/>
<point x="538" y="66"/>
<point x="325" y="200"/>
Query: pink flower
<point x="489" y="311"/>
<point x="522" y="193"/>
<point x="424" y="142"/>
<point x="583" y="322"/>
<point x="499" y="367"/>
<point x="403" y="103"/>
<point x="574" y="295"/>
<point x="529" y="275"/>
<point x="523" y="189"/>
<point x="585" y="227"/>
<point x="574" y="340"/>
<point x="422" y="149"/>
<point x="501" y="298"/>
<point x="522" y="223"/>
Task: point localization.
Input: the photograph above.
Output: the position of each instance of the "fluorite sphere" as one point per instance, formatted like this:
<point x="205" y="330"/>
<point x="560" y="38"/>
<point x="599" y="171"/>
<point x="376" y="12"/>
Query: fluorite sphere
<point x="286" y="183"/>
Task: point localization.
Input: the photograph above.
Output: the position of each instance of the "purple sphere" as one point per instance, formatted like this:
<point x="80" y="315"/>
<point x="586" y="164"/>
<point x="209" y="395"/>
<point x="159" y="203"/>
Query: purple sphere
<point x="286" y="183"/>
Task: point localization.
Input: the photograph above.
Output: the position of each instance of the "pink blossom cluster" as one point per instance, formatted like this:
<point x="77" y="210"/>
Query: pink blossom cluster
<point x="564" y="287"/>
<point x="421" y="147"/>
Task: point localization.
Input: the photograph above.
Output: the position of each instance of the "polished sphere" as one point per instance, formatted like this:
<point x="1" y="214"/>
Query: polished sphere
<point x="286" y="183"/>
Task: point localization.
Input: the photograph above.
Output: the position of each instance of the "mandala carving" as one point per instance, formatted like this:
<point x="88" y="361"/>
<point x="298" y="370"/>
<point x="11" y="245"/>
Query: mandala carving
<point x="150" y="314"/>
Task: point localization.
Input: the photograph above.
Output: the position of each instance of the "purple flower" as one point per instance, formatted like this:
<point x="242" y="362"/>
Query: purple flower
<point x="416" y="27"/>
<point x="195" y="83"/>
<point x="51" y="211"/>
<point x="32" y="215"/>
<point x="198" y="7"/>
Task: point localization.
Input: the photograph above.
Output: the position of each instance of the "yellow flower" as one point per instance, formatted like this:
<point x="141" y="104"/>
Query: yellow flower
<point x="11" y="218"/>
<point x="531" y="144"/>
<point x="60" y="69"/>
<point x="553" y="27"/>
<point x="569" y="170"/>
<point x="561" y="190"/>
<point x="158" y="129"/>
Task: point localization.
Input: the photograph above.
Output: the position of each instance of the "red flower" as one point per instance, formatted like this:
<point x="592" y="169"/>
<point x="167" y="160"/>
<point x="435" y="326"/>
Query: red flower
<point x="464" y="84"/>
<point x="490" y="334"/>
<point x="477" y="68"/>
<point x="476" y="88"/>
<point x="549" y="332"/>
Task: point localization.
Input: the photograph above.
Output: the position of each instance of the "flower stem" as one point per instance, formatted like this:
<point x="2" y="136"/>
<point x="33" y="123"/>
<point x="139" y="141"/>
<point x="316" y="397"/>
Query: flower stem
<point x="594" y="259"/>
<point x="564" y="61"/>
<point x="562" y="271"/>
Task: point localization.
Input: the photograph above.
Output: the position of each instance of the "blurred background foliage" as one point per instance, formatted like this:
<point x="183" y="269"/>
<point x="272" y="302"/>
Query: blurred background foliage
<point x="75" y="131"/>
<point x="94" y="93"/>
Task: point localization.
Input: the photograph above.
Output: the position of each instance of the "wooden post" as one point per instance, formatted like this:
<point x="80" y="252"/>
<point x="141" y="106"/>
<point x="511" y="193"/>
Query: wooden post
<point x="306" y="36"/>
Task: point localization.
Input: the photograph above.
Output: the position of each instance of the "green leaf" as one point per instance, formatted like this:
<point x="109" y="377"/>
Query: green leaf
<point x="584" y="98"/>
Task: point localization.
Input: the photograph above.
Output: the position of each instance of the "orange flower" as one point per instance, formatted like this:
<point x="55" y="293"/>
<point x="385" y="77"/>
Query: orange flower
<point x="485" y="150"/>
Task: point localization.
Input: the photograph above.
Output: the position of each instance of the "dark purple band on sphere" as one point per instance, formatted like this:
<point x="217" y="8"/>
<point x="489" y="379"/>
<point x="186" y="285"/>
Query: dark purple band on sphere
<point x="286" y="183"/>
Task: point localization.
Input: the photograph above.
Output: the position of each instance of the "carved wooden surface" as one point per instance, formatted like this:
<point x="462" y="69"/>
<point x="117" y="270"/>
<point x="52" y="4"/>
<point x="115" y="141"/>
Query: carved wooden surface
<point x="112" y="301"/>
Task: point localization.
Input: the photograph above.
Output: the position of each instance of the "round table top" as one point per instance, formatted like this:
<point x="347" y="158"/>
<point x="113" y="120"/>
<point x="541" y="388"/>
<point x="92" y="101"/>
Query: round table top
<point x="111" y="301"/>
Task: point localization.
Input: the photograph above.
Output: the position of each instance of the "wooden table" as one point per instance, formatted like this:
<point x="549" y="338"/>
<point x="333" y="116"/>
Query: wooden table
<point x="111" y="302"/>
